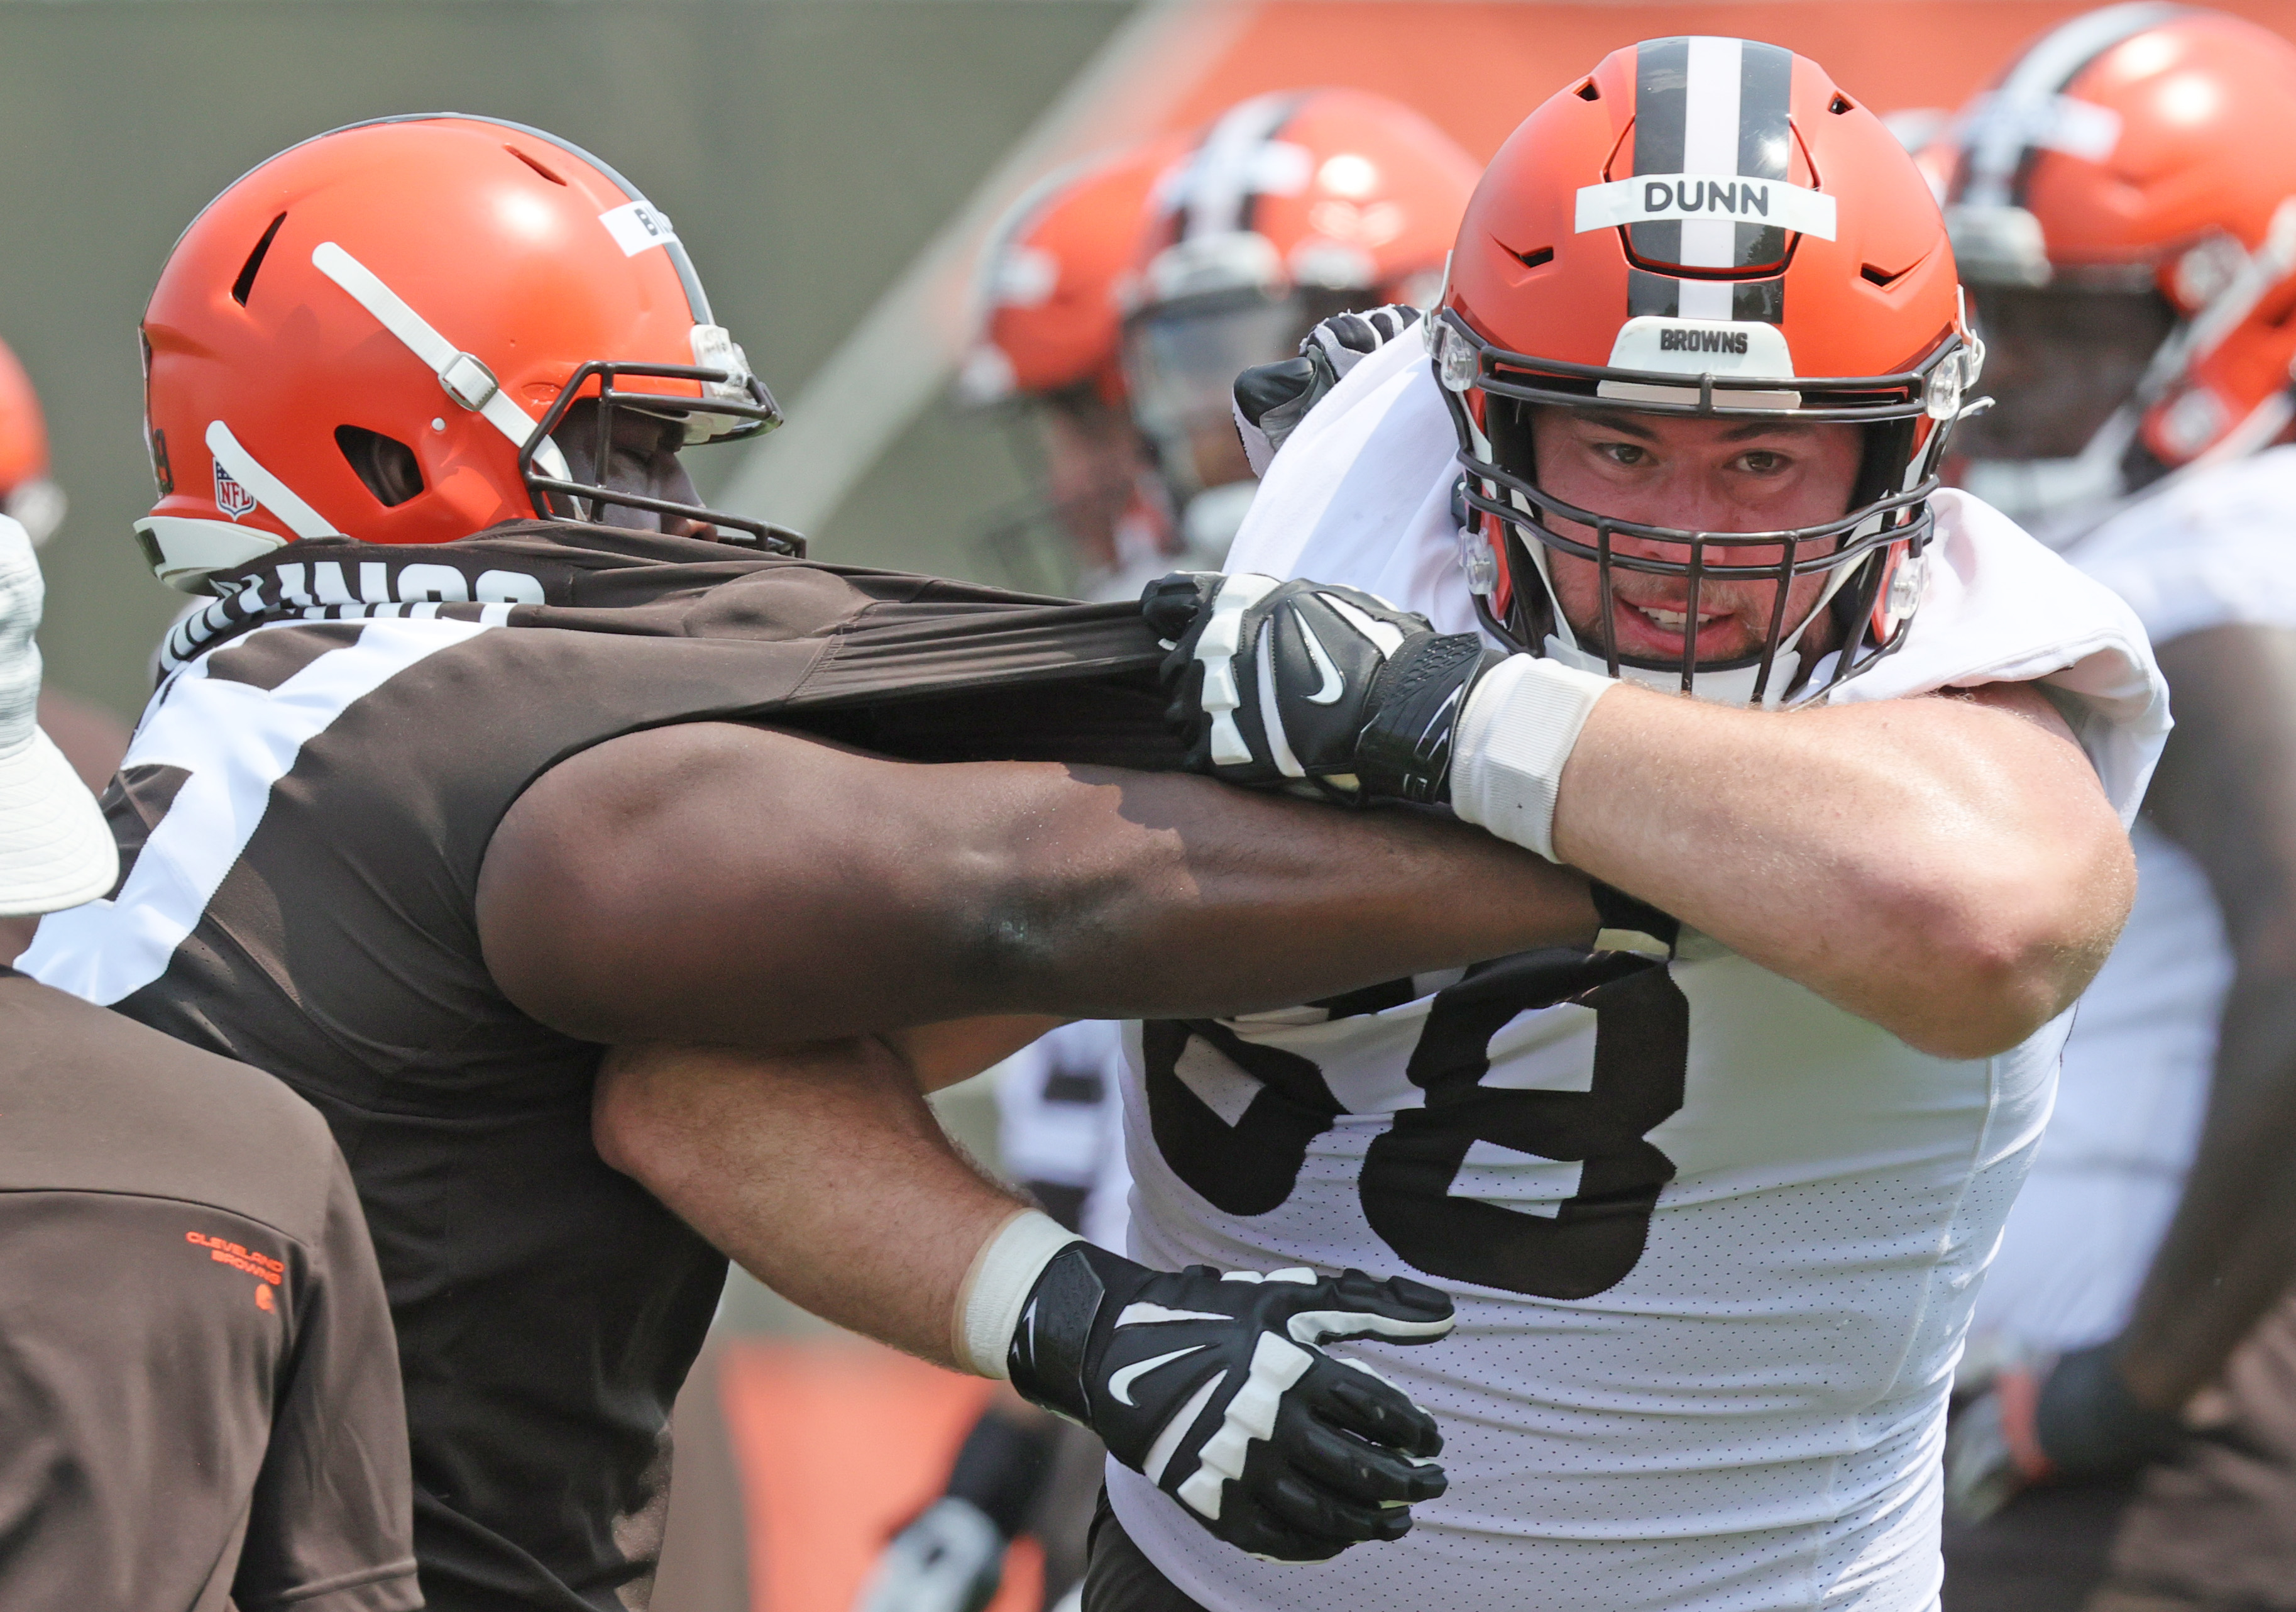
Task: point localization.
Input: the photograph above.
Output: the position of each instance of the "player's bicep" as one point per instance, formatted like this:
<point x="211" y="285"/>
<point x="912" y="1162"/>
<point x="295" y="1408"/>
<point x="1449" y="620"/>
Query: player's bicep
<point x="2037" y="759"/>
<point x="714" y="882"/>
<point x="2034" y="830"/>
<point x="2026" y="700"/>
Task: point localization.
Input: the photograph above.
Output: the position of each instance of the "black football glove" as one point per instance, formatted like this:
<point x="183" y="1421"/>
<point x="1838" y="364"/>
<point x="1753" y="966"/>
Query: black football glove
<point x="1271" y="399"/>
<point x="2047" y="1420"/>
<point x="1213" y="1386"/>
<point x="1312" y="687"/>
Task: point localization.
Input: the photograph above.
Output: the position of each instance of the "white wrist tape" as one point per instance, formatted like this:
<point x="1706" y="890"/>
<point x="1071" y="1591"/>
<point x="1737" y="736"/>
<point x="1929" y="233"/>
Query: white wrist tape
<point x="988" y="1304"/>
<point x="1514" y="736"/>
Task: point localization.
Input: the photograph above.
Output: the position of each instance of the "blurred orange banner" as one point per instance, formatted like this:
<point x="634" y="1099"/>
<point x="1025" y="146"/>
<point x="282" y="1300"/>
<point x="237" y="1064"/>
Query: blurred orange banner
<point x="1478" y="69"/>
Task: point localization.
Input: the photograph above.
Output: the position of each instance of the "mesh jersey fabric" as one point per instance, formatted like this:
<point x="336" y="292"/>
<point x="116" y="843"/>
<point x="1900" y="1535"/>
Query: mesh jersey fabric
<point x="1739" y="1405"/>
<point x="301" y="820"/>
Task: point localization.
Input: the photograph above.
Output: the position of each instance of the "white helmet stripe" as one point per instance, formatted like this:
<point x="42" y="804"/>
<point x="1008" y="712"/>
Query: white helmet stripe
<point x="1230" y="166"/>
<point x="2011" y="120"/>
<point x="1709" y="146"/>
<point x="269" y="490"/>
<point x="461" y="376"/>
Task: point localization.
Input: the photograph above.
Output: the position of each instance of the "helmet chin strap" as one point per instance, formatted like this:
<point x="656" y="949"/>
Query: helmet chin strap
<point x="1724" y="686"/>
<point x="461" y="375"/>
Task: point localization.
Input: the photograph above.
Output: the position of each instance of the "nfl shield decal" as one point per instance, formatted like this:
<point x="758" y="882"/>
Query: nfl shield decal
<point x="231" y="497"/>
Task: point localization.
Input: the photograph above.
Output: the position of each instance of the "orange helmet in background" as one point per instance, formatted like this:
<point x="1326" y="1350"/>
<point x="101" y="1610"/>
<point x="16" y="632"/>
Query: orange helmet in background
<point x="375" y="332"/>
<point x="1707" y="227"/>
<point x="26" y="493"/>
<point x="2144" y="148"/>
<point x="1290" y="207"/>
<point x="1046" y="347"/>
<point x="1044" y="310"/>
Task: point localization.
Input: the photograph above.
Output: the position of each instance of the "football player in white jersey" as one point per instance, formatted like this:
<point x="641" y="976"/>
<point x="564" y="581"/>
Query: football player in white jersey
<point x="2124" y="201"/>
<point x="1712" y="1198"/>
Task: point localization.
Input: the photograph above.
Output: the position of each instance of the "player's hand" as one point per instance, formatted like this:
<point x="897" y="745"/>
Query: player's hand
<point x="950" y="1558"/>
<point x="2049" y="1418"/>
<point x="1271" y="399"/>
<point x="1215" y="1388"/>
<point x="1310" y="686"/>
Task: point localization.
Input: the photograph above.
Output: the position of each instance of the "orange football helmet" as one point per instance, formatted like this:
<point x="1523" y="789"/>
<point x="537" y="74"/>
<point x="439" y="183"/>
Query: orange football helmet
<point x="2144" y="148"/>
<point x="1708" y="227"/>
<point x="1290" y="207"/>
<point x="1045" y="352"/>
<point x="1045" y="314"/>
<point x="375" y="333"/>
<point x="26" y="492"/>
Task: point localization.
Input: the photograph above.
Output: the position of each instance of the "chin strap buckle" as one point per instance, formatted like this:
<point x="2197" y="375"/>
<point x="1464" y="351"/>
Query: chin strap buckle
<point x="469" y="382"/>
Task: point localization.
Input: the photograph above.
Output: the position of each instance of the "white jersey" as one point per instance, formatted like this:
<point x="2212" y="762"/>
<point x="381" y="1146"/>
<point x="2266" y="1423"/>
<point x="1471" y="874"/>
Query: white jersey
<point x="1713" y="1241"/>
<point x="2138" y="1065"/>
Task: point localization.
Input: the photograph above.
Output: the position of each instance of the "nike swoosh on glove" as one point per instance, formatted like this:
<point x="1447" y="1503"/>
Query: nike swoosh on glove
<point x="1310" y="686"/>
<point x="1271" y="399"/>
<point x="1215" y="1388"/>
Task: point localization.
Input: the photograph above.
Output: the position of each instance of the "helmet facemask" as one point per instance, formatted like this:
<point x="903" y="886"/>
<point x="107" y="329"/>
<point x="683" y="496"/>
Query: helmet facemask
<point x="1870" y="556"/>
<point x="735" y="406"/>
<point x="1181" y="360"/>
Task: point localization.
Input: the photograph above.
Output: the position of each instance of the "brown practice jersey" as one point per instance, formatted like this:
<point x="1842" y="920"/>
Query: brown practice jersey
<point x="198" y="1400"/>
<point x="302" y="819"/>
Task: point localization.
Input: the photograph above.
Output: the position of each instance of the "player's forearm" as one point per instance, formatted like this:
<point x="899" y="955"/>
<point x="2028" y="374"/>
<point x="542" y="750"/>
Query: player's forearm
<point x="1949" y="871"/>
<point x="2230" y="1252"/>
<point x="820" y="1171"/>
<point x="720" y="884"/>
<point x="1164" y="896"/>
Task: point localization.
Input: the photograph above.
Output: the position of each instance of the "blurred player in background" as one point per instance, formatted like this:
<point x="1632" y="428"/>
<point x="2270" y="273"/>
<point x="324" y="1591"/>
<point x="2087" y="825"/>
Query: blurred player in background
<point x="1118" y="303"/>
<point x="2123" y="202"/>
<point x="1226" y="248"/>
<point x="1046" y="355"/>
<point x="92" y="739"/>
<point x="27" y="494"/>
<point x="1292" y="208"/>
